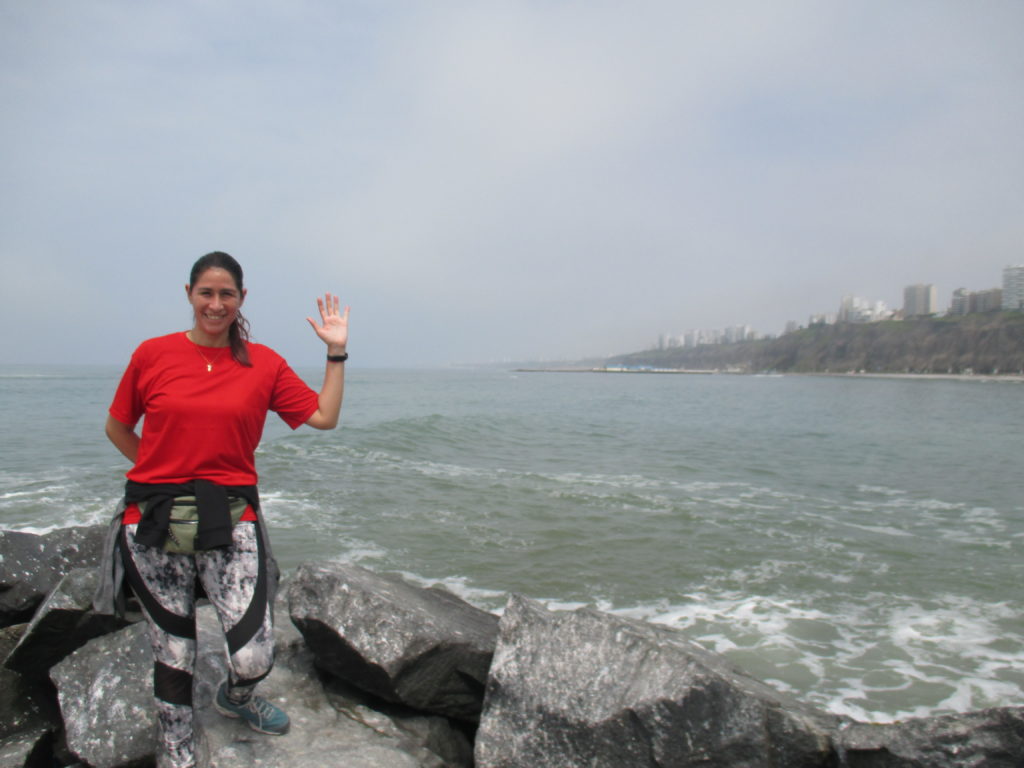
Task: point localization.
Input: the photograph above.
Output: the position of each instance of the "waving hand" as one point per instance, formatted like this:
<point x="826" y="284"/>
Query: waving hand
<point x="333" y="325"/>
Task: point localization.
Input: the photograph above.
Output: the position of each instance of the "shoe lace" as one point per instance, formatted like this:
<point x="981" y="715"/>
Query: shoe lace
<point x="262" y="708"/>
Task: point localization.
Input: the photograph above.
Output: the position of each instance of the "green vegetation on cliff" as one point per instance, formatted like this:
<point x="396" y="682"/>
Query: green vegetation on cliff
<point x="989" y="343"/>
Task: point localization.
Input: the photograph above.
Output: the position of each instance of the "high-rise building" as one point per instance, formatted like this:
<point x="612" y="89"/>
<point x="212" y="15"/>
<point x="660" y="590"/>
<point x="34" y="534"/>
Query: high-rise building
<point x="737" y="333"/>
<point x="970" y="302"/>
<point x="1013" y="287"/>
<point x="919" y="300"/>
<point x="854" y="309"/>
<point x="961" y="304"/>
<point x="987" y="301"/>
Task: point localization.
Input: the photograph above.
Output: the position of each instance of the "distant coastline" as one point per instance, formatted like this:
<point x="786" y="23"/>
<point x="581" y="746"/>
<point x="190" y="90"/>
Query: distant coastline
<point x="574" y="369"/>
<point x="969" y="346"/>
<point x="1012" y="377"/>
<point x="983" y="377"/>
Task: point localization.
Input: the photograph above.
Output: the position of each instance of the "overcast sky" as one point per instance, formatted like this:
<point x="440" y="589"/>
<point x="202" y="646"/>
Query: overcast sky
<point x="484" y="181"/>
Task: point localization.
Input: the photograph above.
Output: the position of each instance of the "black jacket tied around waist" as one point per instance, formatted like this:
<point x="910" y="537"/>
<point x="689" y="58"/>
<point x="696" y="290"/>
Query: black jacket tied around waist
<point x="214" y="509"/>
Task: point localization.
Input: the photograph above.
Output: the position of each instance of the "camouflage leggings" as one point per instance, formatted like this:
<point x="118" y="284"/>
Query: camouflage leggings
<point x="235" y="580"/>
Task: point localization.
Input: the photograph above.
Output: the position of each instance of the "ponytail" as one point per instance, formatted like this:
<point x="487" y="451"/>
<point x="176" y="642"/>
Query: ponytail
<point x="238" y="334"/>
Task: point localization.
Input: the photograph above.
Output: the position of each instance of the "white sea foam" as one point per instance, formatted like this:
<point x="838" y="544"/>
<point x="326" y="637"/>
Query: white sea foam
<point x="289" y="511"/>
<point x="357" y="552"/>
<point x="879" y="589"/>
<point x="82" y="518"/>
<point x="885" y="530"/>
<point x="880" y="490"/>
<point x="934" y="649"/>
<point x="461" y="586"/>
<point x="346" y="549"/>
<point x="984" y="516"/>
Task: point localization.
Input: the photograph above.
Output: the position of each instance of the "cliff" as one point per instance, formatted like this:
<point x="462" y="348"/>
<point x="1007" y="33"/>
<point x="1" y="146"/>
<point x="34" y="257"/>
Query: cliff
<point x="984" y="344"/>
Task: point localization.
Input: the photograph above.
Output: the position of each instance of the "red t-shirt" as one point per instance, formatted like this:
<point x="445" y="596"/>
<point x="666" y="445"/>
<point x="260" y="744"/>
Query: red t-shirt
<point x="205" y="424"/>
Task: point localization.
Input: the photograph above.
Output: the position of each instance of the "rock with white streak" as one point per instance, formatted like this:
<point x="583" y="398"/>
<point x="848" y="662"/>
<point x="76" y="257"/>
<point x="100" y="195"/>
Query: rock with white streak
<point x="32" y="564"/>
<point x="988" y="738"/>
<point x="26" y="732"/>
<point x="32" y="748"/>
<point x="328" y="727"/>
<point x="425" y="648"/>
<point x="585" y="688"/>
<point x="438" y="735"/>
<point x="63" y="622"/>
<point x="19" y="708"/>
<point x="106" y="697"/>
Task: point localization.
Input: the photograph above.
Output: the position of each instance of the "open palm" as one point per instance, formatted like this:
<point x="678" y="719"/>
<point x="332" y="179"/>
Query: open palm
<point x="333" y="325"/>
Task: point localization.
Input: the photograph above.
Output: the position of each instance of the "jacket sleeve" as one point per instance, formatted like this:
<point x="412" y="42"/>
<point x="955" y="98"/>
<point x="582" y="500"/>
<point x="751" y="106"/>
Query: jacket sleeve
<point x="111" y="575"/>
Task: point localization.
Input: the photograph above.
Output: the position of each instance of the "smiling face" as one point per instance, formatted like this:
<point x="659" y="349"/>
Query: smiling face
<point x="215" y="300"/>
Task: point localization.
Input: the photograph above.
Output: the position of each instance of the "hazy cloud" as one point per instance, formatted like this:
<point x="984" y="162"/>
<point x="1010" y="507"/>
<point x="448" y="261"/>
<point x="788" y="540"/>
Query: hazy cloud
<point x="500" y="180"/>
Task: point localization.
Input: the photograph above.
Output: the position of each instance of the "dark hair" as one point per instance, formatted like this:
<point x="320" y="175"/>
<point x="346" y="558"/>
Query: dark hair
<point x="238" y="334"/>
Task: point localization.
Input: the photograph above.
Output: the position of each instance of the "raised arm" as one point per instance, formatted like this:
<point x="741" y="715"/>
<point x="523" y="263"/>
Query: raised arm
<point x="333" y="331"/>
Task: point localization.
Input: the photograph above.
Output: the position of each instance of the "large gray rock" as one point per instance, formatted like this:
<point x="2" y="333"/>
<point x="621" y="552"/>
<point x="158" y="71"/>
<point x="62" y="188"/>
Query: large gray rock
<point x="63" y="622"/>
<point x="31" y="565"/>
<point x="326" y="730"/>
<point x="440" y="736"/>
<point x="26" y="733"/>
<point x="105" y="692"/>
<point x="19" y="709"/>
<point x="993" y="738"/>
<point x="424" y="648"/>
<point x="590" y="689"/>
<point x="32" y="748"/>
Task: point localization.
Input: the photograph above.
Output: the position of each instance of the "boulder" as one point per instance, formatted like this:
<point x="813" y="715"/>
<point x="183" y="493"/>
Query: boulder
<point x="26" y="732"/>
<point x="62" y="623"/>
<point x="993" y="738"/>
<point x="424" y="648"/>
<point x="32" y="748"/>
<point x="105" y="692"/>
<point x="19" y="709"/>
<point x="438" y="735"/>
<point x="371" y="668"/>
<point x="32" y="564"/>
<point x="106" y="699"/>
<point x="585" y="688"/>
<point x="325" y="730"/>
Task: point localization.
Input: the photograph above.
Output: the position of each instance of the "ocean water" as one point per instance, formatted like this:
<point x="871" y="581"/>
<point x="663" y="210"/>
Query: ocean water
<point x="856" y="542"/>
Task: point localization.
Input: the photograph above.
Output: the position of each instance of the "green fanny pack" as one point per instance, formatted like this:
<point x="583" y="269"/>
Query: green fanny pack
<point x="184" y="524"/>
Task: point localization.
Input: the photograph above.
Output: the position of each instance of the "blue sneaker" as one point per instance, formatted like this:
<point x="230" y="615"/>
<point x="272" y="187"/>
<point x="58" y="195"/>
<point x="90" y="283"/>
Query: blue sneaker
<point x="258" y="713"/>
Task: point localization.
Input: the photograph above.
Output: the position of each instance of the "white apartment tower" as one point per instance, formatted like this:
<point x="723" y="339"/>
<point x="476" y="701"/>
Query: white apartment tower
<point x="919" y="300"/>
<point x="1013" y="287"/>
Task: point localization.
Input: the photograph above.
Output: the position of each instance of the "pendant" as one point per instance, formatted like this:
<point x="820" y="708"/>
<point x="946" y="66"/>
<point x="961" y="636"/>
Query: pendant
<point x="209" y="367"/>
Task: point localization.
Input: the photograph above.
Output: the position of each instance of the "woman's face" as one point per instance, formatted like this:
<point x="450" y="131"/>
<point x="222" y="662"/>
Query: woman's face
<point x="215" y="301"/>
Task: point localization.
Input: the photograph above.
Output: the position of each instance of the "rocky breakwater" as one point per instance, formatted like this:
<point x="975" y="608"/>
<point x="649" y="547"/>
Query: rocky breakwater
<point x="378" y="673"/>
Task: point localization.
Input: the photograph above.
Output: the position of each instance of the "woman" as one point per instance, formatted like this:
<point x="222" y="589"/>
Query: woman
<point x="205" y="394"/>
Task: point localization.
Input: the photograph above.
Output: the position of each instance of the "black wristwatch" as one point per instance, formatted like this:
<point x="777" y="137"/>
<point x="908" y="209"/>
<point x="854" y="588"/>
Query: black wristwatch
<point x="337" y="358"/>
